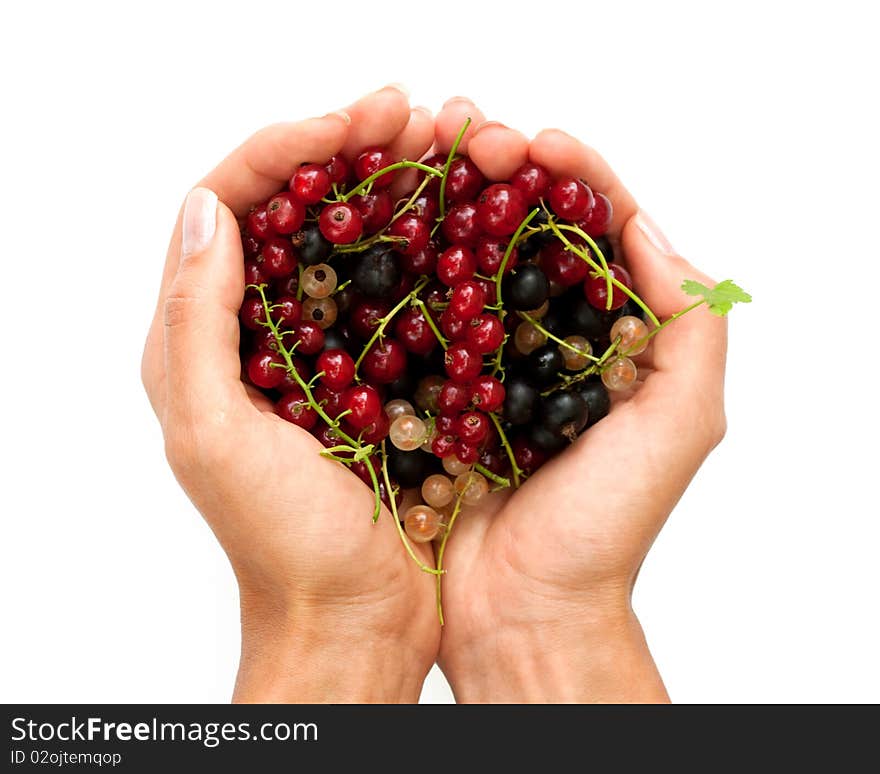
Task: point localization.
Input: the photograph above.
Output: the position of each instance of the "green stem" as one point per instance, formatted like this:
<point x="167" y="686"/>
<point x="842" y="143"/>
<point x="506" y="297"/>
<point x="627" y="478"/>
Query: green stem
<point x="567" y="381"/>
<point x="550" y="336"/>
<point x="299" y="282"/>
<point x="445" y="174"/>
<point x="411" y="201"/>
<point x="507" y="253"/>
<point x="506" y="444"/>
<point x="441" y="553"/>
<point x="421" y="306"/>
<point x="366" y="183"/>
<point x="383" y="323"/>
<point x="500" y="480"/>
<point x="409" y="549"/>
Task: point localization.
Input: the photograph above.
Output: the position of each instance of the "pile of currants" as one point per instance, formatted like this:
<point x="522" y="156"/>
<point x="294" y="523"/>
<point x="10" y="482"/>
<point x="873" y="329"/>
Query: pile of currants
<point x="448" y="342"/>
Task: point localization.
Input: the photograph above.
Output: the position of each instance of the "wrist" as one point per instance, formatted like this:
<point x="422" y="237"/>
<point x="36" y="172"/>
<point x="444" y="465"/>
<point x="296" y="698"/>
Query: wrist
<point x="317" y="656"/>
<point x="575" y="659"/>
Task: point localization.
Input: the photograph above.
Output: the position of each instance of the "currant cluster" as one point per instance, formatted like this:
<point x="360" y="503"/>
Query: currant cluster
<point x="448" y="342"/>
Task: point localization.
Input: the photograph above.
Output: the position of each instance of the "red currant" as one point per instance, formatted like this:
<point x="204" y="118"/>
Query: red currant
<point x="254" y="275"/>
<point x="252" y="314"/>
<point x="563" y="266"/>
<point x="456" y="264"/>
<point x="527" y="455"/>
<point x="444" y="424"/>
<point x="341" y="223"/>
<point x="490" y="253"/>
<point x="443" y="445"/>
<point x="287" y="311"/>
<point x="464" y="180"/>
<point x="258" y="222"/>
<point x="265" y="369"/>
<point x="310" y="183"/>
<point x="452" y="398"/>
<point x="250" y="245"/>
<point x="487" y="393"/>
<point x="460" y="226"/>
<point x="285" y="213"/>
<point x="426" y="207"/>
<point x="467" y="453"/>
<point x="332" y="401"/>
<point x="310" y="336"/>
<point x="376" y="209"/>
<point x="413" y="232"/>
<point x="462" y="362"/>
<point x="365" y="405"/>
<point x="277" y="258"/>
<point x="294" y="407"/>
<point x="467" y="301"/>
<point x="377" y="430"/>
<point x="338" y="169"/>
<point x="413" y="331"/>
<point x="500" y="209"/>
<point x="385" y="361"/>
<point x="485" y="333"/>
<point x="362" y="471"/>
<point x="338" y="368"/>
<point x="289" y="382"/>
<point x="596" y="288"/>
<point x="422" y="261"/>
<point x="366" y="315"/>
<point x="453" y="327"/>
<point x="532" y="181"/>
<point x="472" y="427"/>
<point x="571" y="198"/>
<point x="598" y="217"/>
<point x="371" y="161"/>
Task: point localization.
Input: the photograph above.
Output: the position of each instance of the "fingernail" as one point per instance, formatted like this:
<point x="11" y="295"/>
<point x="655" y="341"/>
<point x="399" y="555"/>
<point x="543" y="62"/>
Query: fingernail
<point x="399" y="86"/>
<point x="422" y="109"/>
<point x="653" y="233"/>
<point x="199" y="221"/>
<point x="340" y="114"/>
<point x="451" y="100"/>
<point x="487" y="124"/>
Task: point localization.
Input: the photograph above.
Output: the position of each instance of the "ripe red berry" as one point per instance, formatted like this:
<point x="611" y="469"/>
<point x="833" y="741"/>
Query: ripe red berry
<point x="254" y="274"/>
<point x="414" y="231"/>
<point x="453" y="398"/>
<point x="464" y="180"/>
<point x="532" y="181"/>
<point x="598" y="217"/>
<point x="338" y="368"/>
<point x="376" y="431"/>
<point x="571" y="198"/>
<point x="365" y="405"/>
<point x="384" y="362"/>
<point x="468" y="300"/>
<point x="456" y="264"/>
<point x="376" y="209"/>
<point x="294" y="407"/>
<point x="500" y="209"/>
<point x="310" y="336"/>
<point x="413" y="331"/>
<point x="340" y="223"/>
<point x="265" y="369"/>
<point x="360" y="469"/>
<point x="371" y="161"/>
<point x="286" y="311"/>
<point x="332" y="401"/>
<point x="277" y="258"/>
<point x="289" y="381"/>
<point x="460" y="225"/>
<point x="487" y="393"/>
<point x="452" y="326"/>
<point x="596" y="288"/>
<point x="563" y="266"/>
<point x="250" y="246"/>
<point x="490" y="253"/>
<point x="527" y="455"/>
<point x="285" y="213"/>
<point x="485" y="333"/>
<point x="366" y="315"/>
<point x="443" y="445"/>
<point x="444" y="424"/>
<point x="328" y="436"/>
<point x="472" y="427"/>
<point x="438" y="162"/>
<point x="338" y="169"/>
<point x="422" y="261"/>
<point x="466" y="452"/>
<point x="310" y="183"/>
<point x="427" y="207"/>
<point x="257" y="222"/>
<point x="462" y="362"/>
<point x="252" y="313"/>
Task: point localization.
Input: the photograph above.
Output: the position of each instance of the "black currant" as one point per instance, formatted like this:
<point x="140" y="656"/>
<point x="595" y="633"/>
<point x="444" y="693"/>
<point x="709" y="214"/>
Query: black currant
<point x="585" y="320"/>
<point x="564" y="412"/>
<point x="596" y="397"/>
<point x="527" y="288"/>
<point x="544" y="364"/>
<point x="377" y="272"/>
<point x="410" y="468"/>
<point x="547" y="439"/>
<point x="604" y="245"/>
<point x="519" y="402"/>
<point x="311" y="245"/>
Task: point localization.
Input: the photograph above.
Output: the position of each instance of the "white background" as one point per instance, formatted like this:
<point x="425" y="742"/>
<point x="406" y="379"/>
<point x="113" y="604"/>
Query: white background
<point x="750" y="134"/>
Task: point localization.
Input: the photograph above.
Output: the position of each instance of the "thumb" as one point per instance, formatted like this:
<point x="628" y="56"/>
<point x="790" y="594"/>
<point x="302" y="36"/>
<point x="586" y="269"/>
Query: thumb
<point x="201" y="312"/>
<point x="690" y="354"/>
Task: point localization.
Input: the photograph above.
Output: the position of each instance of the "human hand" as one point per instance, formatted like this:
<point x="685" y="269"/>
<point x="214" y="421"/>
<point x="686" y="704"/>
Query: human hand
<point x="332" y="608"/>
<point x="538" y="589"/>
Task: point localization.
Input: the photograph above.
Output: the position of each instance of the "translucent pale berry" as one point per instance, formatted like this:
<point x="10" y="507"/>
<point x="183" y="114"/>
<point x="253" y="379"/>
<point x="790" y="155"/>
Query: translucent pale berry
<point x="576" y="360"/>
<point x="321" y="311"/>
<point x="318" y="281"/>
<point x="422" y="523"/>
<point x="528" y="338"/>
<point x="472" y="487"/>
<point x="398" y="407"/>
<point x="631" y="331"/>
<point x="454" y="466"/>
<point x="407" y="432"/>
<point x="620" y="374"/>
<point x="437" y="490"/>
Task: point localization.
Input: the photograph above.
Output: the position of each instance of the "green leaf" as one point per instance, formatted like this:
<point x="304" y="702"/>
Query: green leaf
<point x="719" y="299"/>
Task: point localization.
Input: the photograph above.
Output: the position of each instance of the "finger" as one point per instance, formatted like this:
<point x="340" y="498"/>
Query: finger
<point x="689" y="355"/>
<point x="450" y="120"/>
<point x="561" y="154"/>
<point x="201" y="338"/>
<point x="376" y="119"/>
<point x="497" y="150"/>
<point x="261" y="166"/>
<point x="412" y="143"/>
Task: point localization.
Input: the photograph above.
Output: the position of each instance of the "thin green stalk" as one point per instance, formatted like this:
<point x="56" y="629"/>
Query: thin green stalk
<point x="449" y="159"/>
<point x="422" y="307"/>
<point x="500" y="480"/>
<point x="367" y="182"/>
<point x="662" y="325"/>
<point x="441" y="552"/>
<point x="507" y="253"/>
<point x="506" y="444"/>
<point x="550" y="336"/>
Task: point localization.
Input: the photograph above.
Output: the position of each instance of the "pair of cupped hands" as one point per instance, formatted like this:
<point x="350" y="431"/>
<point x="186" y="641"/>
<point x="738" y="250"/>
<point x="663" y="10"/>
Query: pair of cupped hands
<point x="537" y="593"/>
